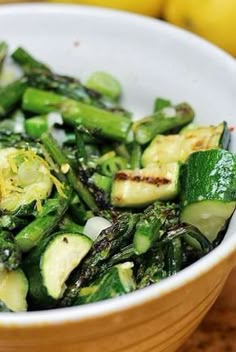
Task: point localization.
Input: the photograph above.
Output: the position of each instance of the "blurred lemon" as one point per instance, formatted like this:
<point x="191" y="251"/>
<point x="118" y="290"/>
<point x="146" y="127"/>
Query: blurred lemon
<point x="145" y="7"/>
<point x="213" y="19"/>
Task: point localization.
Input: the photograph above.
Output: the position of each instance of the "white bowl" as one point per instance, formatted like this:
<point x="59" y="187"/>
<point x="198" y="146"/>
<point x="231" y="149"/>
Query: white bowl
<point x="151" y="59"/>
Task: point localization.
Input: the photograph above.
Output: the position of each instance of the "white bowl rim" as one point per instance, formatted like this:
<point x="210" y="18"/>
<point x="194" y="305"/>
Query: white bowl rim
<point x="224" y="250"/>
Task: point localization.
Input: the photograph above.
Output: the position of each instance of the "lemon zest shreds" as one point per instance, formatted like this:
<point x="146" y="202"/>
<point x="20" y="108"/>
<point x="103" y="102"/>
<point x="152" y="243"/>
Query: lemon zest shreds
<point x="12" y="163"/>
<point x="59" y="185"/>
<point x="26" y="177"/>
<point x="14" y="188"/>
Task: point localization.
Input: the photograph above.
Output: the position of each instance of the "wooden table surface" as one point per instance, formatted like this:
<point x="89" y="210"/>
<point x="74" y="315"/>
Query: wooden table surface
<point x="217" y="333"/>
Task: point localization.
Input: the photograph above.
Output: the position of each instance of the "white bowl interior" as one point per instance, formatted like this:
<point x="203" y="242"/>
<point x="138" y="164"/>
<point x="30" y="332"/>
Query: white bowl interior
<point x="150" y="58"/>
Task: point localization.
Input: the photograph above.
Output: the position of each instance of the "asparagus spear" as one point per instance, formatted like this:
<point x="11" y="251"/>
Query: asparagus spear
<point x="125" y="254"/>
<point x="174" y="257"/>
<point x="151" y="269"/>
<point x="64" y="85"/>
<point x="26" y="61"/>
<point x="146" y="129"/>
<point x="3" y="53"/>
<point x="75" y="113"/>
<point x="43" y="225"/>
<point x="72" y="88"/>
<point x="116" y="282"/>
<point x="40" y="76"/>
<point x="152" y="224"/>
<point x="148" y="229"/>
<point x="10" y="255"/>
<point x="57" y="154"/>
<point x="10" y="95"/>
<point x="106" y="245"/>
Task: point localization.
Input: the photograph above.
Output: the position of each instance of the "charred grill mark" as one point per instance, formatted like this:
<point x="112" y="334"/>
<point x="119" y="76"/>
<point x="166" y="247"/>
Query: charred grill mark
<point x="122" y="176"/>
<point x="199" y="144"/>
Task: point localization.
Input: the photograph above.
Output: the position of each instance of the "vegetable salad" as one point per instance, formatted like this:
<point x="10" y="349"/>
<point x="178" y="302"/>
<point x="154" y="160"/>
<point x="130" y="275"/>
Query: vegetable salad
<point x="95" y="204"/>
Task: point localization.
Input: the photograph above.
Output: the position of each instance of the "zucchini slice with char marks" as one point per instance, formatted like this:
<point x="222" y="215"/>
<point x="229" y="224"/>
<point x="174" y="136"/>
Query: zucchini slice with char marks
<point x="49" y="265"/>
<point x="208" y="190"/>
<point x="178" y="147"/>
<point x="138" y="188"/>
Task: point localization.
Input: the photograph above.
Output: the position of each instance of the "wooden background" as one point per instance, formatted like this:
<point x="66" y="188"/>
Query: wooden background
<point x="217" y="333"/>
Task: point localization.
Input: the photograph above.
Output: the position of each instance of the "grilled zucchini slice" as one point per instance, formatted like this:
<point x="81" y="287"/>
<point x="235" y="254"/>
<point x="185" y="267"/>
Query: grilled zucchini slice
<point x="172" y="148"/>
<point x="208" y="190"/>
<point x="138" y="188"/>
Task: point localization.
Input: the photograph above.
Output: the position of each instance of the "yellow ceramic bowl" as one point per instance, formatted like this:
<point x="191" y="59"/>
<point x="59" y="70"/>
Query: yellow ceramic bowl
<point x="151" y="59"/>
